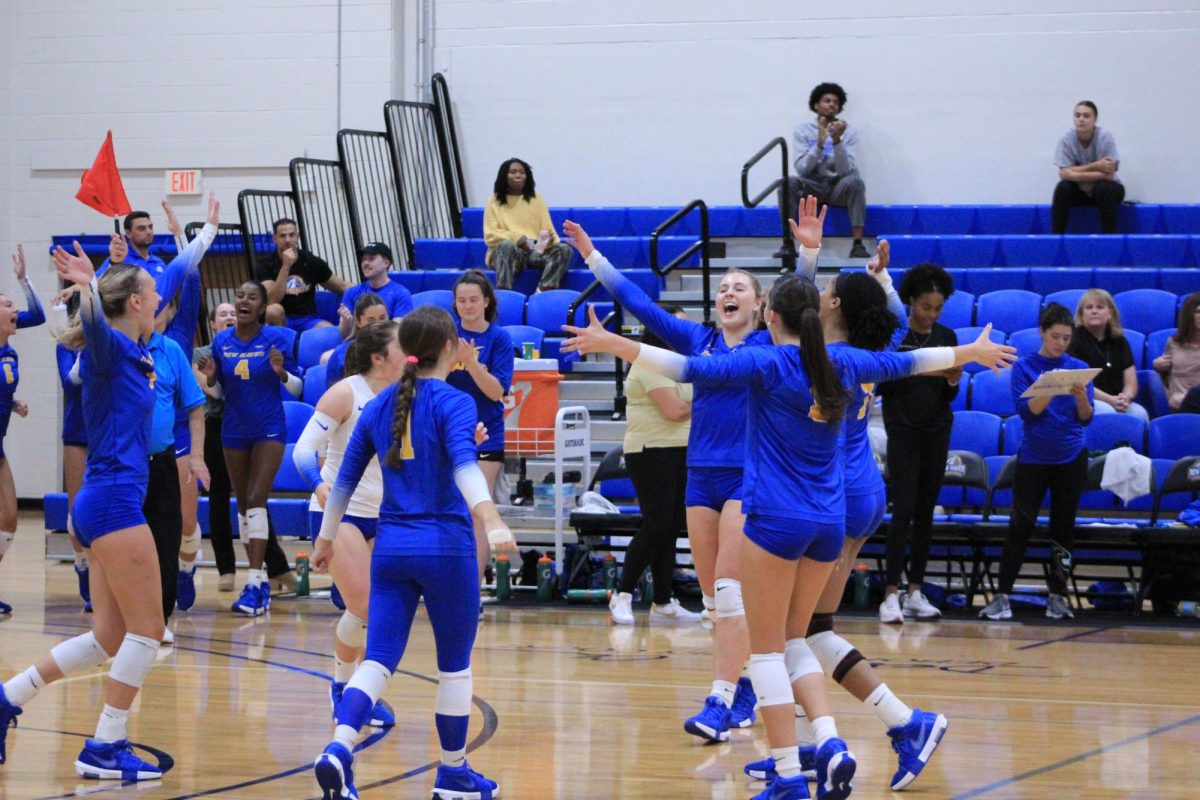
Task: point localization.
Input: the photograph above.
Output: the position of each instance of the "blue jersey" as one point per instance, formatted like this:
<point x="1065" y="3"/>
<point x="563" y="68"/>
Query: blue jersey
<point x="495" y="350"/>
<point x="335" y="366"/>
<point x="10" y="373"/>
<point x="175" y="390"/>
<point x="253" y="402"/>
<point x="1054" y="436"/>
<point x="397" y="299"/>
<point x="423" y="511"/>
<point x="74" y="431"/>
<point x="118" y="398"/>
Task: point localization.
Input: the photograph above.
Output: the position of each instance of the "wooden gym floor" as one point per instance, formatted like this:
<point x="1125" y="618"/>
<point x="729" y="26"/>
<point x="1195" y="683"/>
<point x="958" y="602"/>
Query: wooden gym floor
<point x="568" y="706"/>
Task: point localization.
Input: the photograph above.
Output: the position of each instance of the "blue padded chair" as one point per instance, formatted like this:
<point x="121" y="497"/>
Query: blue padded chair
<point x="1005" y="220"/>
<point x="1152" y="394"/>
<point x="1177" y="280"/>
<point x="959" y="403"/>
<point x="642" y="221"/>
<point x="1146" y="310"/>
<point x="472" y="222"/>
<point x="1174" y="487"/>
<point x="1175" y="436"/>
<point x="441" y="279"/>
<point x="623" y="251"/>
<point x="315" y="341"/>
<point x="1115" y="280"/>
<point x="1180" y="219"/>
<point x="1160" y="466"/>
<point x="440" y="253"/>
<point x="525" y="333"/>
<point x="1137" y="346"/>
<point x="992" y="392"/>
<point x="893" y="220"/>
<point x="314" y="383"/>
<point x="969" y="334"/>
<point x="976" y="431"/>
<point x="1014" y="432"/>
<point x="979" y="497"/>
<point x="1157" y="251"/>
<point x="442" y="298"/>
<point x="910" y="250"/>
<point x="959" y="310"/>
<point x="969" y="251"/>
<point x="1009" y="309"/>
<point x="327" y="306"/>
<point x="288" y="478"/>
<point x="548" y="310"/>
<point x="1026" y="341"/>
<point x="1107" y="431"/>
<point x="603" y="221"/>
<point x="1030" y="251"/>
<point x="1156" y="345"/>
<point x="1067" y="297"/>
<point x="1093" y="251"/>
<point x="510" y="307"/>
<point x="992" y="279"/>
<point x="296" y="415"/>
<point x="413" y="280"/>
<point x="946" y="221"/>
<point x="1048" y="280"/>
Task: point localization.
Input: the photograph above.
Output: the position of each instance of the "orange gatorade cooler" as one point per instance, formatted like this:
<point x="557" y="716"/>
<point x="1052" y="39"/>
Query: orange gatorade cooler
<point x="531" y="406"/>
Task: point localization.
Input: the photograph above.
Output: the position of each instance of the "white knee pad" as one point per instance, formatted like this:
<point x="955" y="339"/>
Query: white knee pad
<point x="133" y="660"/>
<point x="454" y="693"/>
<point x="243" y="537"/>
<point x="6" y="538"/>
<point x="76" y="655"/>
<point x="836" y="655"/>
<point x="800" y="660"/>
<point x="710" y="602"/>
<point x="729" y="598"/>
<point x="770" y="676"/>
<point x="256" y="524"/>
<point x="371" y="679"/>
<point x="352" y="631"/>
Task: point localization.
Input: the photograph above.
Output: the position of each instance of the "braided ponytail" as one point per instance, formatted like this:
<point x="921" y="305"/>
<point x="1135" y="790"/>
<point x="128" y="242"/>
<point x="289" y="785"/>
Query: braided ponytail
<point x="423" y="336"/>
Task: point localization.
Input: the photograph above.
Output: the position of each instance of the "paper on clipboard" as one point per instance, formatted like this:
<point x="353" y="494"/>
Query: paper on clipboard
<point x="1059" y="381"/>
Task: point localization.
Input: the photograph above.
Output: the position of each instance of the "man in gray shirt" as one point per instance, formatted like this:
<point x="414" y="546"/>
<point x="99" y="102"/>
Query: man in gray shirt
<point x="825" y="163"/>
<point x="1087" y="171"/>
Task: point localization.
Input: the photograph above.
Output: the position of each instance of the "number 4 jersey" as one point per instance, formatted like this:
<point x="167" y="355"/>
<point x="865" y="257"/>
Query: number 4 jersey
<point x="253" y="402"/>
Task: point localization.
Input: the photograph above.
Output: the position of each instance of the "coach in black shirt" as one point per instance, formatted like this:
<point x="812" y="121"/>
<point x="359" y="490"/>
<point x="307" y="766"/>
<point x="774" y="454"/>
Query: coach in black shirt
<point x="291" y="276"/>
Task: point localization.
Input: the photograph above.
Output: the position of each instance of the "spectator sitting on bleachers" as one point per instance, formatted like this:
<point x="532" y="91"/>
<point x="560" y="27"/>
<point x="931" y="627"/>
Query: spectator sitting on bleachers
<point x="917" y="417"/>
<point x="1180" y="361"/>
<point x="1099" y="342"/>
<point x="1051" y="456"/>
<point x="290" y="275"/>
<point x="825" y="163"/>
<point x="1087" y="164"/>
<point x="374" y="261"/>
<point x="518" y="230"/>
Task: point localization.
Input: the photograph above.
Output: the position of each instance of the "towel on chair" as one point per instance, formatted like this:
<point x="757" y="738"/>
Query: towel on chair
<point x="1126" y="474"/>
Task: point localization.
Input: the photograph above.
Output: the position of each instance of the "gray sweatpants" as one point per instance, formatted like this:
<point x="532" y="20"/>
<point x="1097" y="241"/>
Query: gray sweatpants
<point x="508" y="260"/>
<point x="849" y="191"/>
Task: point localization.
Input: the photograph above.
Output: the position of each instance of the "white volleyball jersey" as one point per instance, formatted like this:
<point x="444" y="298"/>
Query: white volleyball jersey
<point x="369" y="494"/>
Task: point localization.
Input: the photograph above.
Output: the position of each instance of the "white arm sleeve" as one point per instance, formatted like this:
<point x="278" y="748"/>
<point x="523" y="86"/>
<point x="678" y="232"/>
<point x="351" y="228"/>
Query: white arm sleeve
<point x="73" y="375"/>
<point x="312" y="443"/>
<point x="662" y="362"/>
<point x="807" y="266"/>
<point x="335" y="509"/>
<point x="932" y="359"/>
<point x="295" y="386"/>
<point x="470" y="481"/>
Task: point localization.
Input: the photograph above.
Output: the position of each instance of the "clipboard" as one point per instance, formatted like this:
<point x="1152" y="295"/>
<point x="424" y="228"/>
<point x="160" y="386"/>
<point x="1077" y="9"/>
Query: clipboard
<point x="1059" y="382"/>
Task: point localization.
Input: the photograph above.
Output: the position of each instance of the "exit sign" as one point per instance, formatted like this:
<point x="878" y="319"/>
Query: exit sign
<point x="184" y="181"/>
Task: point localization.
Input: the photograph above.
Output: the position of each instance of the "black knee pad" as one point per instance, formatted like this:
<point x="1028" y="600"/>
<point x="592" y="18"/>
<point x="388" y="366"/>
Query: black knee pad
<point x="848" y="663"/>
<point x="820" y="623"/>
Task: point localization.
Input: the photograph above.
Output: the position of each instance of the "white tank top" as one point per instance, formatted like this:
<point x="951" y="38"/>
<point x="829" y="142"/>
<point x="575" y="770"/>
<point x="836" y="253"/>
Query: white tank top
<point x="369" y="494"/>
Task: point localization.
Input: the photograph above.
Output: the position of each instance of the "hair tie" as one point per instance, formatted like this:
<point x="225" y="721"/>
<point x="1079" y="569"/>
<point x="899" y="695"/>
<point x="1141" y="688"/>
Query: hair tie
<point x="411" y="359"/>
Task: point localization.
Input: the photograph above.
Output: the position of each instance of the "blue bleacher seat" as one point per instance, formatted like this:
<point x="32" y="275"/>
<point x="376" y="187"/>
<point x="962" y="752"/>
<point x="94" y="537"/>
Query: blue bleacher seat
<point x="959" y="403"/>
<point x="1067" y="297"/>
<point x="327" y="305"/>
<point x="959" y="310"/>
<point x="315" y="341"/>
<point x="1157" y="251"/>
<point x="1146" y="310"/>
<point x="521" y="334"/>
<point x="970" y="333"/>
<point x="1008" y="309"/>
<point x="623" y="251"/>
<point x="1014" y="432"/>
<point x="976" y="431"/>
<point x="412" y="280"/>
<point x="910" y="250"/>
<point x="1152" y="394"/>
<point x="725" y="222"/>
<point x="642" y="221"/>
<point x="476" y="255"/>
<point x="992" y="392"/>
<point x="1093" y="251"/>
<point x="559" y="215"/>
<point x="1177" y="280"/>
<point x="978" y="497"/>
<point x="893" y="220"/>
<point x="548" y="310"/>
<point x="1180" y="219"/>
<point x="671" y="247"/>
<point x="1031" y="251"/>
<point x="996" y="220"/>
<point x="440" y="279"/>
<point x="1115" y="280"/>
<point x="288" y="478"/>
<point x="1137" y="346"/>
<point x="296" y="414"/>
<point x="1174" y="436"/>
<point x="762" y="221"/>
<point x="1028" y="340"/>
<point x="510" y="307"/>
<point x="946" y="221"/>
<point x="1050" y="280"/>
<point x="314" y="383"/>
<point x="982" y="280"/>
<point x="472" y="223"/>
<point x="442" y="298"/>
<point x="1156" y="344"/>
<point x="603" y="221"/>
<point x="1143" y="218"/>
<point x="1107" y="431"/>
<point x="440" y="253"/>
<point x="969" y="251"/>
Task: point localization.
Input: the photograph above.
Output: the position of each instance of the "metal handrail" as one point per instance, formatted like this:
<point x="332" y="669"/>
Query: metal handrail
<point x="613" y="317"/>
<point x="779" y="184"/>
<point x="700" y="246"/>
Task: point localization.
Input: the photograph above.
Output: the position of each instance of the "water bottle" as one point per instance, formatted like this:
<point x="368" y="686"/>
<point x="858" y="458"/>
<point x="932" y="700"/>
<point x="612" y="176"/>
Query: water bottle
<point x="610" y="572"/>
<point x="302" y="569"/>
<point x="862" y="586"/>
<point x="588" y="595"/>
<point x="1188" y="608"/>
<point x="503" y="581"/>
<point x="545" y="575"/>
<point x="648" y="588"/>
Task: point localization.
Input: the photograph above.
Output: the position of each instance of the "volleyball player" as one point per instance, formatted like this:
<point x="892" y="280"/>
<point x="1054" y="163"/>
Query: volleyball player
<point x="74" y="447"/>
<point x="249" y="361"/>
<point x="484" y="371"/>
<point x="115" y="320"/>
<point x="10" y="320"/>
<point x="369" y="308"/>
<point x="716" y="447"/>
<point x="422" y="430"/>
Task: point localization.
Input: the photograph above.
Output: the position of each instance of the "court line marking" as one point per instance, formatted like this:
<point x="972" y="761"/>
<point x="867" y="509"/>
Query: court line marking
<point x="1070" y="637"/>
<point x="1066" y="762"/>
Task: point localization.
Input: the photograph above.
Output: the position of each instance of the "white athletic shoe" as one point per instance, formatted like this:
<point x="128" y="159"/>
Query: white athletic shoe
<point x="918" y="605"/>
<point x="621" y="608"/>
<point x="673" y="612"/>
<point x="889" y="609"/>
<point x="168" y="638"/>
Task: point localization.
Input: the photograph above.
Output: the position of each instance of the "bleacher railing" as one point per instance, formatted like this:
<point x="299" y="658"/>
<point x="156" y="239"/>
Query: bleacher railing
<point x="441" y="99"/>
<point x="323" y="214"/>
<point x="373" y="201"/>
<point x="423" y="171"/>
<point x="612" y="320"/>
<point x="222" y="270"/>
<point x="699" y="246"/>
<point x="779" y="184"/>
<point x="258" y="209"/>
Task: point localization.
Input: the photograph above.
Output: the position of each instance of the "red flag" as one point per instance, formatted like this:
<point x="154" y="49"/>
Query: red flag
<point x="101" y="187"/>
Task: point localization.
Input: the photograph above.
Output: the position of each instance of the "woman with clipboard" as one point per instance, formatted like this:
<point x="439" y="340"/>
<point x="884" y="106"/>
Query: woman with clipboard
<point x="1051" y="456"/>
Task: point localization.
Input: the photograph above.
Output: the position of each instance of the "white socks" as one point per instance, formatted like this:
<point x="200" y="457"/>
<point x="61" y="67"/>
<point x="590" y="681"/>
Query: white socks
<point x="805" y="737"/>
<point x="343" y="671"/>
<point x="889" y="708"/>
<point x="787" y="761"/>
<point x="724" y="690"/>
<point x="257" y="577"/>
<point x="824" y="729"/>
<point x="112" y="725"/>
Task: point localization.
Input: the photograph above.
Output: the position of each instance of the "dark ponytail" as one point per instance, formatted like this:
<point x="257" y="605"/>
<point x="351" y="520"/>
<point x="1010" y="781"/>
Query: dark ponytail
<point x="371" y="340"/>
<point x="423" y="336"/>
<point x="796" y="301"/>
<point x="869" y="324"/>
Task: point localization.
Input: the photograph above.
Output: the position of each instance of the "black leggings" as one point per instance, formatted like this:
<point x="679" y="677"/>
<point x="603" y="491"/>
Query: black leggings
<point x="916" y="466"/>
<point x="1106" y="196"/>
<point x="164" y="515"/>
<point x="1065" y="482"/>
<point x="659" y="476"/>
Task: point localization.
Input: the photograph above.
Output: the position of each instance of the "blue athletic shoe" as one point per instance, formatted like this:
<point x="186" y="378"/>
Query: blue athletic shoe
<point x="248" y="601"/>
<point x="382" y="715"/>
<point x="741" y="714"/>
<point x="185" y="589"/>
<point x="5" y="608"/>
<point x="785" y="789"/>
<point x="835" y="770"/>
<point x="8" y="716"/>
<point x="765" y="770"/>
<point x="335" y="696"/>
<point x="85" y="587"/>
<point x="712" y="723"/>
<point x="914" y="744"/>
<point x="114" y="761"/>
<point x="335" y="774"/>
<point x="463" y="783"/>
<point x="335" y="597"/>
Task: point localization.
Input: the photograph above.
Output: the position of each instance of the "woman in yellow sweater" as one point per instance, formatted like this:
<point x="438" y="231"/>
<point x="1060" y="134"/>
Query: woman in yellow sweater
<point x="518" y="230"/>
